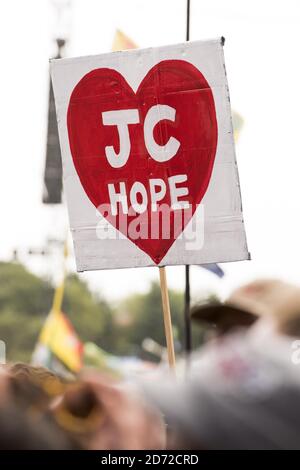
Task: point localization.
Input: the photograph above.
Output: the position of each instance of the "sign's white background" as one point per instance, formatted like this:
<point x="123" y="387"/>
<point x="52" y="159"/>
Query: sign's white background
<point x="262" y="61"/>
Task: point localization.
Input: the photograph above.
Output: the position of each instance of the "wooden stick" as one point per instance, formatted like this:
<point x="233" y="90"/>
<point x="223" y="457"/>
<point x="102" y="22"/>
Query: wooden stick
<point x="187" y="316"/>
<point x="167" y="317"/>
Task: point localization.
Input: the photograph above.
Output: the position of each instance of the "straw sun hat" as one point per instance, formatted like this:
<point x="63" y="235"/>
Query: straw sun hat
<point x="264" y="298"/>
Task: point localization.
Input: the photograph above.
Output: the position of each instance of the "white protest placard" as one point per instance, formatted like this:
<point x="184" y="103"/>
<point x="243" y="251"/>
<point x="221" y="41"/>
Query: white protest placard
<point x="149" y="164"/>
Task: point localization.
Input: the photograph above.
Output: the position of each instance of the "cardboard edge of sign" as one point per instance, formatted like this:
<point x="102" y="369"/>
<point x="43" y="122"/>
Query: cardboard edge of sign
<point x="149" y="50"/>
<point x="245" y="257"/>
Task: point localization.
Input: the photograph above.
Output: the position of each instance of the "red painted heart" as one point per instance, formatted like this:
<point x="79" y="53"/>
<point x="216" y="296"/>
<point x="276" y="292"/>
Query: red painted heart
<point x="174" y="83"/>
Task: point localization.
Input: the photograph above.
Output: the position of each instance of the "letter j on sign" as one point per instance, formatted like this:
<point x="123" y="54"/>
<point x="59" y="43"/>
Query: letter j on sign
<point x="148" y="154"/>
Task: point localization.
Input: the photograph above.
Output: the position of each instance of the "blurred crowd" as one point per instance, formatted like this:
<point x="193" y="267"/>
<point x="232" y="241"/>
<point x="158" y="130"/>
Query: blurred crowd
<point x="241" y="390"/>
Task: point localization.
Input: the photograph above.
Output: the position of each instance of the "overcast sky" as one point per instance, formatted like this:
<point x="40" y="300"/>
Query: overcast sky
<point x="263" y="68"/>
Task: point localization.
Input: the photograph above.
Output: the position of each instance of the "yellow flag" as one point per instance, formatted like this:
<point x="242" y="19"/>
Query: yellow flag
<point x="60" y="337"/>
<point x="238" y="123"/>
<point x="122" y="42"/>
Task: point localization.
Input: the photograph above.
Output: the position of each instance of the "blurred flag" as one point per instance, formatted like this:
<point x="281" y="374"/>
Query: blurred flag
<point x="214" y="268"/>
<point x="238" y="123"/>
<point x="59" y="338"/>
<point x="122" y="42"/>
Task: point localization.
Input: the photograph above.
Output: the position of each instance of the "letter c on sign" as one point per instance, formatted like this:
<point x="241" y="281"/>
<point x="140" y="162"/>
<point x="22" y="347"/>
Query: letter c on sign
<point x="160" y="153"/>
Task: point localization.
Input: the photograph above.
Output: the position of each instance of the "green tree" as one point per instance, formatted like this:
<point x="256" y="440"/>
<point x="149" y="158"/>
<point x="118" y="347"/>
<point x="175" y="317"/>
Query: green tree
<point x="145" y="318"/>
<point x="24" y="302"/>
<point x="26" y="299"/>
<point x="91" y="315"/>
<point x="20" y="333"/>
<point x="22" y="291"/>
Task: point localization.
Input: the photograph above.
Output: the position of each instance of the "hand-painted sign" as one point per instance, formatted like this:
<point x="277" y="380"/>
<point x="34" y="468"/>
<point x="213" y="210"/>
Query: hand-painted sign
<point x="148" y="157"/>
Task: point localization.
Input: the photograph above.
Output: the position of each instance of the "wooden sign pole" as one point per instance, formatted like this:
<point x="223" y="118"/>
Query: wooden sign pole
<point x="187" y="312"/>
<point x="167" y="317"/>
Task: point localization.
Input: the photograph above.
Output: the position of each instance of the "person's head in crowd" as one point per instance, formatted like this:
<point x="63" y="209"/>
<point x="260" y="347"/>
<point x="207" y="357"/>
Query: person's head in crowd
<point x="34" y="387"/>
<point x="272" y="300"/>
<point x="243" y="391"/>
<point x="90" y="413"/>
<point x="100" y="414"/>
<point x="24" y="426"/>
<point x="18" y="431"/>
<point x="235" y="406"/>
